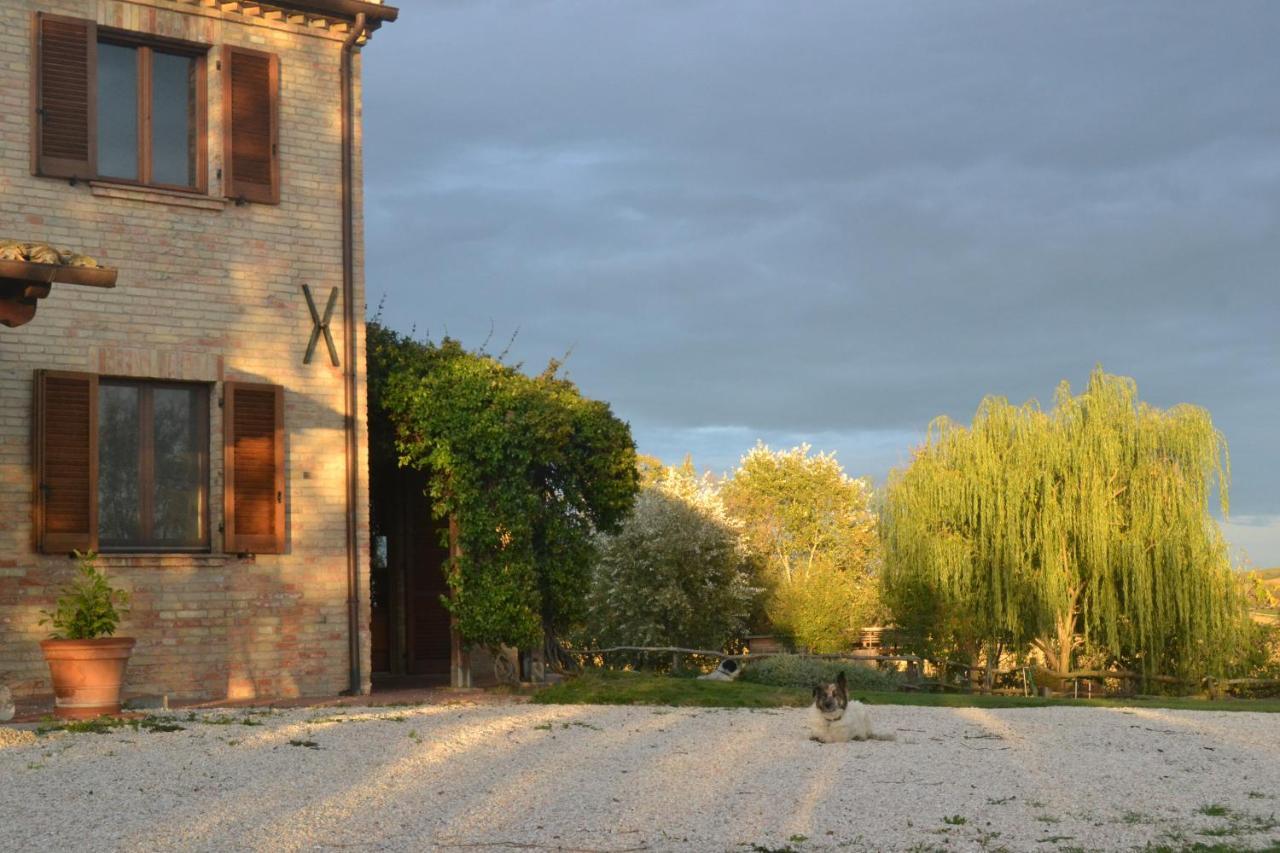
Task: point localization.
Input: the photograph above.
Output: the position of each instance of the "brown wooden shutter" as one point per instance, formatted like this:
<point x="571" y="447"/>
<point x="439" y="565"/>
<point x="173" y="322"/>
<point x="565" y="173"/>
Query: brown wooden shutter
<point x="66" y="463"/>
<point x="251" y="89"/>
<point x="65" y="82"/>
<point x="253" y="460"/>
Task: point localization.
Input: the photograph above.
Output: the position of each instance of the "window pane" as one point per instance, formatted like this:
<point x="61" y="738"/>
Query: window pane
<point x="117" y="111"/>
<point x="173" y="141"/>
<point x="177" y="510"/>
<point x="119" y="516"/>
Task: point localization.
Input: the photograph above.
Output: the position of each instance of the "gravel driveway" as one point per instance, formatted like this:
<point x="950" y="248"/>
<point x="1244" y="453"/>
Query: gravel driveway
<point x="528" y="777"/>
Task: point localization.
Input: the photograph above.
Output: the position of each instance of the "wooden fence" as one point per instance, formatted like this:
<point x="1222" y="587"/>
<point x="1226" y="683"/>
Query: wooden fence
<point x="1031" y="677"/>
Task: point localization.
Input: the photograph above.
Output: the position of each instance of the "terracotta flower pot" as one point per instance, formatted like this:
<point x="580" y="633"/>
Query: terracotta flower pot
<point x="87" y="675"/>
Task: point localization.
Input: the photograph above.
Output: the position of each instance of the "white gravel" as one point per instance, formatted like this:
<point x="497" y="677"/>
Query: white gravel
<point x="613" y="779"/>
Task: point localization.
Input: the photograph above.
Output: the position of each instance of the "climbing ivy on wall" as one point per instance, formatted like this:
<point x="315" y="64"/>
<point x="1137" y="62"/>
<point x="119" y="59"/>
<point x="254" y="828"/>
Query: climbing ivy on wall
<point x="1087" y="527"/>
<point x="526" y="468"/>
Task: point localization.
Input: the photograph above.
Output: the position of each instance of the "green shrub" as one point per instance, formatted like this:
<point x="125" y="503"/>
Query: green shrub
<point x="798" y="671"/>
<point x="87" y="607"/>
<point x="673" y="575"/>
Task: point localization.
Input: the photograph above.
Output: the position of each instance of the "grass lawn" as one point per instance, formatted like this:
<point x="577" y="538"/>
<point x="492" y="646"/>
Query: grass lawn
<point x="610" y="687"/>
<point x="637" y="688"/>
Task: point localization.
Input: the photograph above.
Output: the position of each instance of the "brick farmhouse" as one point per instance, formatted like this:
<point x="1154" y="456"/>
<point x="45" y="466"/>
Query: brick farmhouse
<point x="197" y="423"/>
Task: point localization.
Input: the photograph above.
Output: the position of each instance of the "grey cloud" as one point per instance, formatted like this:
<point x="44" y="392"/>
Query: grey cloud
<point x="841" y="219"/>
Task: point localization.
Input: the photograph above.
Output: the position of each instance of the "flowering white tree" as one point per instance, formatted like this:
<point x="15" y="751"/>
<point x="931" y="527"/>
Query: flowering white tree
<point x="675" y="573"/>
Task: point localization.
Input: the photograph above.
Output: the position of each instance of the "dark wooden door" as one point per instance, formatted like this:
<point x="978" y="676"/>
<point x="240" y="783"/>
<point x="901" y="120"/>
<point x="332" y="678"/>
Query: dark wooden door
<point x="426" y="619"/>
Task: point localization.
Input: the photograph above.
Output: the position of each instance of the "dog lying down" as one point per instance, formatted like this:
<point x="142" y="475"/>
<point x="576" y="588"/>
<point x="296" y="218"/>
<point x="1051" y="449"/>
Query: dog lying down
<point x="835" y="719"/>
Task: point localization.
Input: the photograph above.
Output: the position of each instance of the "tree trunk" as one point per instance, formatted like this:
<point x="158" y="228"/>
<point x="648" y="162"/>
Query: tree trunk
<point x="555" y="658"/>
<point x="459" y="656"/>
<point x="1057" y="650"/>
<point x="993" y="661"/>
<point x="1066" y="641"/>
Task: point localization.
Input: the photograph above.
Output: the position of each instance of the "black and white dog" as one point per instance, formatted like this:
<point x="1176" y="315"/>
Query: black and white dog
<point x="834" y="719"/>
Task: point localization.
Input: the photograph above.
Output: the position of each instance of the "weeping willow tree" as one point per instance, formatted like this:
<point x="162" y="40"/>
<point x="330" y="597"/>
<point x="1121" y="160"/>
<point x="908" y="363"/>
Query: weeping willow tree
<point x="1087" y="527"/>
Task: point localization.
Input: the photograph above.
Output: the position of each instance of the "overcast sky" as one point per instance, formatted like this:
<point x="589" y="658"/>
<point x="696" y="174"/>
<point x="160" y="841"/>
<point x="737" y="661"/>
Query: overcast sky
<point x="832" y="221"/>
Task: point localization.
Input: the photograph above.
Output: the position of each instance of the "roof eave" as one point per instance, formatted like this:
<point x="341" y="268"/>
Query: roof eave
<point x="375" y="13"/>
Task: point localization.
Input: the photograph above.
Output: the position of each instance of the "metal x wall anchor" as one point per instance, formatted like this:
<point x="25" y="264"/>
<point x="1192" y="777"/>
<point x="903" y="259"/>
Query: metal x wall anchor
<point x="320" y="326"/>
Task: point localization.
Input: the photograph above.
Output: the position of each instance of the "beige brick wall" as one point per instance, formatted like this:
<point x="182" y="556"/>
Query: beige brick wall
<point x="207" y="291"/>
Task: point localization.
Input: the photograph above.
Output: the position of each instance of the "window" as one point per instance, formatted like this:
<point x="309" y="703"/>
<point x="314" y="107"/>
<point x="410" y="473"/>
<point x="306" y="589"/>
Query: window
<point x="148" y="113"/>
<point x="129" y="107"/>
<point x="153" y="465"/>
<point x="123" y="465"/>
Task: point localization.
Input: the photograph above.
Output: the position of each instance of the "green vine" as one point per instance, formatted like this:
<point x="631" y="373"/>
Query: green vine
<point x="526" y="469"/>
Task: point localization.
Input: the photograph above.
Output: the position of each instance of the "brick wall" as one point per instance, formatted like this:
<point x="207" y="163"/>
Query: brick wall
<point x="208" y="291"/>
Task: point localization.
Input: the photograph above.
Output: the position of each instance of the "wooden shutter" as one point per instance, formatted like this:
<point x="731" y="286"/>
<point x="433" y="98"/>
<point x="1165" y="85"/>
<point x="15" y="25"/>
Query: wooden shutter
<point x="253" y="461"/>
<point x="65" y="82"/>
<point x="66" y="463"/>
<point x="251" y="89"/>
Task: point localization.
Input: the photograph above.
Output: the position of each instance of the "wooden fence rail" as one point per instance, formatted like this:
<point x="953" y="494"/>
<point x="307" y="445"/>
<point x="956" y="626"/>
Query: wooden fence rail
<point x="707" y="653"/>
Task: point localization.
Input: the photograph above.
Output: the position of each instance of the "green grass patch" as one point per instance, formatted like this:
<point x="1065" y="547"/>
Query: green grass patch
<point x="222" y="720"/>
<point x="106" y="725"/>
<point x="1203" y="848"/>
<point x="967" y="700"/>
<point x="614" y="687"/>
<point x="609" y="687"/>
<point x="1214" y="810"/>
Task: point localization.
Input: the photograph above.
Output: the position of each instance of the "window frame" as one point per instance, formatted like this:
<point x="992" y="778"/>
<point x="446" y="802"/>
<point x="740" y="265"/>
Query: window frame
<point x="146" y="44"/>
<point x="146" y="464"/>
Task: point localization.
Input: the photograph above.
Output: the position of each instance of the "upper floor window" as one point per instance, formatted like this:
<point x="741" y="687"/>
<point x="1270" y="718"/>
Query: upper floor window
<point x="124" y="106"/>
<point x="149" y="113"/>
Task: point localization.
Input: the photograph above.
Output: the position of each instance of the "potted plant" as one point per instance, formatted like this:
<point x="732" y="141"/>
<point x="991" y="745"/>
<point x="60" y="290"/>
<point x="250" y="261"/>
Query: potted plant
<point x="85" y="661"/>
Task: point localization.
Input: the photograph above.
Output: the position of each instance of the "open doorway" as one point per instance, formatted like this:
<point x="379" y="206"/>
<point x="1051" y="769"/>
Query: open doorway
<point x="410" y="625"/>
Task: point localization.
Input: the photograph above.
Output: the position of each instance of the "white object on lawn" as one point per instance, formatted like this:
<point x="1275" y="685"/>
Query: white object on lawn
<point x="728" y="670"/>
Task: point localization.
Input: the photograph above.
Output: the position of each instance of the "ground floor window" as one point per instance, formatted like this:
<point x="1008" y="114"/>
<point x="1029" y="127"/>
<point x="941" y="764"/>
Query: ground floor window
<point x="124" y="465"/>
<point x="153" y="465"/>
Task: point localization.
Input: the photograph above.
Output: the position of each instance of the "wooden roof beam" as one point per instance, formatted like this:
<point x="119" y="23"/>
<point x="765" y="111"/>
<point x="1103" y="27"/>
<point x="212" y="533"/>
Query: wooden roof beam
<point x="376" y="13"/>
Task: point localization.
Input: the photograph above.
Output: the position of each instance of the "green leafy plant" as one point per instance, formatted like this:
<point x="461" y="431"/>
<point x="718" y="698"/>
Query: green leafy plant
<point x="674" y="574"/>
<point x="89" y="607"/>
<point x="1084" y="531"/>
<point x="811" y="529"/>
<point x="525" y="469"/>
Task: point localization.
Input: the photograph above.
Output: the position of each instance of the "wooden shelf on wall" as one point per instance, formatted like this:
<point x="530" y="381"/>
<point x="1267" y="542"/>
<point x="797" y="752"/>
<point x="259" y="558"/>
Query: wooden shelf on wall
<point x="24" y="283"/>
